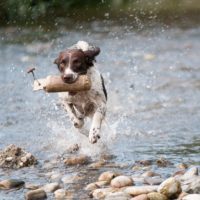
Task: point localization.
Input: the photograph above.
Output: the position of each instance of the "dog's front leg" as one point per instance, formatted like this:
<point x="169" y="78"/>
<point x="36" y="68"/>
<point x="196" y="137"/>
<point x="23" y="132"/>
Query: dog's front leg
<point x="98" y="116"/>
<point x="78" y="122"/>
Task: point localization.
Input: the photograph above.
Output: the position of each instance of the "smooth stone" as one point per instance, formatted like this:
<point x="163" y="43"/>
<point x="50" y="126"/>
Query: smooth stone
<point x="95" y="185"/>
<point x="139" y="168"/>
<point x="182" y="166"/>
<point x="118" y="196"/>
<point x="31" y="186"/>
<point x="181" y="195"/>
<point x="162" y="162"/>
<point x="107" y="176"/>
<point x="121" y="181"/>
<point x="9" y="159"/>
<point x="193" y="171"/>
<point x="156" y="196"/>
<point x="77" y="160"/>
<point x="11" y="183"/>
<point x="192" y="197"/>
<point x="179" y="174"/>
<point x="137" y="190"/>
<point x="102" y="192"/>
<point x="140" y="197"/>
<point x="170" y="188"/>
<point x="62" y="194"/>
<point x="192" y="185"/>
<point x="97" y="165"/>
<point x="24" y="159"/>
<point x="145" y="162"/>
<point x="138" y="179"/>
<point x="150" y="174"/>
<point x="73" y="148"/>
<point x="153" y="180"/>
<point x="51" y="187"/>
<point x="38" y="194"/>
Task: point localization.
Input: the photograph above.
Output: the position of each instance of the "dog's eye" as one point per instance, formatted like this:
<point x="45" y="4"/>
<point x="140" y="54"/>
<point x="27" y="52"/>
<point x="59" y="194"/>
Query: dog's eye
<point x="61" y="67"/>
<point x="63" y="62"/>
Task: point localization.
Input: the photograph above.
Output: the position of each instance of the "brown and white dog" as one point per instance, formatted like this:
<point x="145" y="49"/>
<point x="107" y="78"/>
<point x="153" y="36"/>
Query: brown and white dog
<point x="77" y="60"/>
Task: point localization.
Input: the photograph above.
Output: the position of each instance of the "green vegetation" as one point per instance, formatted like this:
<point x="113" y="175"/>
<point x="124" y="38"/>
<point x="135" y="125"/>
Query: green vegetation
<point x="32" y="11"/>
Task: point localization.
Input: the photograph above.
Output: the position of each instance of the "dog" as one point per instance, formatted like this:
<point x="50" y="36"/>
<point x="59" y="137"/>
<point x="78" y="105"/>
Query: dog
<point x="77" y="60"/>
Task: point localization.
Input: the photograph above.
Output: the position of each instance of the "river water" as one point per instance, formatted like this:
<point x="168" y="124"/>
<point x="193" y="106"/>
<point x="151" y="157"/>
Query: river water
<point x="153" y="82"/>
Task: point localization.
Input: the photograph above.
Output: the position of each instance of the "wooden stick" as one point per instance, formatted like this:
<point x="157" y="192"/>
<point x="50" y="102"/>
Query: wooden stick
<point x="56" y="84"/>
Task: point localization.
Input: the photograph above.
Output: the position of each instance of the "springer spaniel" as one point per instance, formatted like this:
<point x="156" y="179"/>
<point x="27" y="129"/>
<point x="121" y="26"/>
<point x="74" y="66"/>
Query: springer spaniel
<point x="77" y="60"/>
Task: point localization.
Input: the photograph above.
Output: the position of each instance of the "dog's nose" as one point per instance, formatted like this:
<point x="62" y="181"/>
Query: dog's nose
<point x="68" y="78"/>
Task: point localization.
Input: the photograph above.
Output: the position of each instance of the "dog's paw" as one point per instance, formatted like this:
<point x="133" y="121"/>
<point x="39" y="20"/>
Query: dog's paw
<point x="78" y="123"/>
<point x="94" y="135"/>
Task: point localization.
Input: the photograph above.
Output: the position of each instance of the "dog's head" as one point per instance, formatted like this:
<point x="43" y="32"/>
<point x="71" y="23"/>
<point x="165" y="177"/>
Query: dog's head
<point x="74" y="62"/>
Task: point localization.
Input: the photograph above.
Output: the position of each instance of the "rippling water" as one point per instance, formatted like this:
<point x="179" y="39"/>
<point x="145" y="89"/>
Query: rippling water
<point x="153" y="82"/>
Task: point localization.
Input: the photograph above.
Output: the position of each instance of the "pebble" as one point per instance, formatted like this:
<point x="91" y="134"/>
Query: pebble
<point x="192" y="197"/>
<point x="162" y="162"/>
<point x="193" y="171"/>
<point x="182" y="166"/>
<point x="24" y="159"/>
<point x="170" y="187"/>
<point x="62" y="194"/>
<point x="192" y="185"/>
<point x="153" y="180"/>
<point x="15" y="157"/>
<point x="181" y="195"/>
<point x="38" y="194"/>
<point x="95" y="185"/>
<point x="156" y="196"/>
<point x="97" y="165"/>
<point x="138" y="179"/>
<point x="150" y="174"/>
<point x="9" y="159"/>
<point x="137" y="190"/>
<point x="51" y="187"/>
<point x="121" y="181"/>
<point x="73" y="148"/>
<point x="77" y="160"/>
<point x="140" y="197"/>
<point x="102" y="192"/>
<point x="31" y="186"/>
<point x="118" y="196"/>
<point x="179" y="173"/>
<point x="145" y="162"/>
<point x="139" y="168"/>
<point x="11" y="183"/>
<point x="107" y="176"/>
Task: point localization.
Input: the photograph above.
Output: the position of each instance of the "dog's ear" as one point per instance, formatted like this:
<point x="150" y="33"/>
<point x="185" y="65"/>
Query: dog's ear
<point x="56" y="61"/>
<point x="91" y="54"/>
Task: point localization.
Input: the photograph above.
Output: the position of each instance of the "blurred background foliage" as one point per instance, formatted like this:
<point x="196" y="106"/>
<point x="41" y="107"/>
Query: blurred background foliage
<point x="30" y="12"/>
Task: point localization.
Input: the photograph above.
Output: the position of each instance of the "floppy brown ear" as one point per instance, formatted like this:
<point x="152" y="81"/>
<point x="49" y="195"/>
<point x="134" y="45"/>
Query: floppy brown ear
<point x="56" y="61"/>
<point x="92" y="53"/>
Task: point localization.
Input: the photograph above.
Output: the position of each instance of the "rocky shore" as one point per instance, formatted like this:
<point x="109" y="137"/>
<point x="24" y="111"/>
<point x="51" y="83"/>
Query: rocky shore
<point x="140" y="182"/>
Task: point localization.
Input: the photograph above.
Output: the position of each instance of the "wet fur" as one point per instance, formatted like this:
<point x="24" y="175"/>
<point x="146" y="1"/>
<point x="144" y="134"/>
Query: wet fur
<point x="90" y="103"/>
